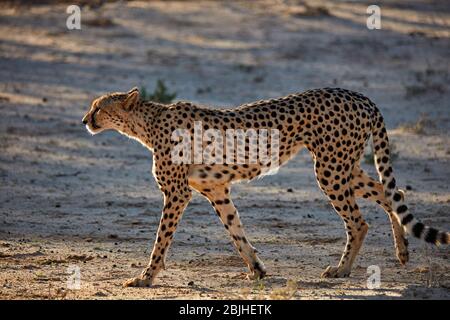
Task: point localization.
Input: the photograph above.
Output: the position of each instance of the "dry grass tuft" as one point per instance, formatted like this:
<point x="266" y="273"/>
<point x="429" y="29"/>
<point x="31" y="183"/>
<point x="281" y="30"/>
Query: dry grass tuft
<point x="418" y="127"/>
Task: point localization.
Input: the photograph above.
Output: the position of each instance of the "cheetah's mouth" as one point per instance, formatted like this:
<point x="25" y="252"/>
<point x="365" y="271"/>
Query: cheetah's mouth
<point x="93" y="123"/>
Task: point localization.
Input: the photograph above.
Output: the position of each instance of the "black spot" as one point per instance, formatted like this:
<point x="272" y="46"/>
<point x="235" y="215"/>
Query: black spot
<point x="417" y="229"/>
<point x="402" y="209"/>
<point x="391" y="184"/>
<point x="444" y="238"/>
<point x="431" y="235"/>
<point x="407" y="219"/>
<point x="258" y="267"/>
<point x="397" y="197"/>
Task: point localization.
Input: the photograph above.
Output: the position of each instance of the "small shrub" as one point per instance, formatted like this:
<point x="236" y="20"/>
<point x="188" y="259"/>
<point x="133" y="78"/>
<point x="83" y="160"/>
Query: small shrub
<point x="160" y="94"/>
<point x="420" y="126"/>
<point x="369" y="156"/>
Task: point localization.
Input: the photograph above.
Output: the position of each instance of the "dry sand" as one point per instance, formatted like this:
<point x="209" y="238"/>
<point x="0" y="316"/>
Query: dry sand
<point x="67" y="198"/>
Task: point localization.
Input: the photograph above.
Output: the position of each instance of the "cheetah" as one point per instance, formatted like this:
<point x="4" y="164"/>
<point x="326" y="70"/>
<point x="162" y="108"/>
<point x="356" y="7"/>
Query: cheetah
<point x="333" y="124"/>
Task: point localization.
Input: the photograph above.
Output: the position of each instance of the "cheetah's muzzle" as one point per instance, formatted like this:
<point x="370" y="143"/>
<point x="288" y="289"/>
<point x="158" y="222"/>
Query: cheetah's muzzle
<point x="94" y="124"/>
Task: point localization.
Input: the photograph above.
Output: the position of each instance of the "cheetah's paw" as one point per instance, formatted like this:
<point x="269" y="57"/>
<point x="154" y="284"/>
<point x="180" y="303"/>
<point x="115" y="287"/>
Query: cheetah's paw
<point x="256" y="274"/>
<point x="335" y="272"/>
<point x="137" y="282"/>
<point x="403" y="256"/>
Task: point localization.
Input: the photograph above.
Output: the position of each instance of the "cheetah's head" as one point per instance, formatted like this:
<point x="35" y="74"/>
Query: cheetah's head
<point x="111" y="111"/>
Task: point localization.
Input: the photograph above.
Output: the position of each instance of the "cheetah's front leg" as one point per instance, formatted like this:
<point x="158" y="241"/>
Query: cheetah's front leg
<point x="175" y="201"/>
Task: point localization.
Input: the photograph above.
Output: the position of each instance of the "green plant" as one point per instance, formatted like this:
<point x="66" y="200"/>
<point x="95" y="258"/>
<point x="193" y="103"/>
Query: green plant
<point x="160" y="94"/>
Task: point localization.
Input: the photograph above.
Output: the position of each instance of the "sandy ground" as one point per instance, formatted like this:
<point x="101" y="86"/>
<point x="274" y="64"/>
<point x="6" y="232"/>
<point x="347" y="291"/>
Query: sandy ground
<point x="69" y="199"/>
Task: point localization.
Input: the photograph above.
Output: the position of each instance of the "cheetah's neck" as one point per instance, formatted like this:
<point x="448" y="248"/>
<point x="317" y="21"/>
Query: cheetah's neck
<point x="140" y="124"/>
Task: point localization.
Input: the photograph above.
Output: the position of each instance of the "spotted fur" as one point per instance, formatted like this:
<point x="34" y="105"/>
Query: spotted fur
<point x="333" y="124"/>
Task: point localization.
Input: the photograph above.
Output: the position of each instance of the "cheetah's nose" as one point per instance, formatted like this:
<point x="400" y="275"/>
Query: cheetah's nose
<point x="84" y="121"/>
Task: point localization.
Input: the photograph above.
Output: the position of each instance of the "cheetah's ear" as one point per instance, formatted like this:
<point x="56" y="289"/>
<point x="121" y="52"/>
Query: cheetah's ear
<point x="132" y="99"/>
<point x="133" y="90"/>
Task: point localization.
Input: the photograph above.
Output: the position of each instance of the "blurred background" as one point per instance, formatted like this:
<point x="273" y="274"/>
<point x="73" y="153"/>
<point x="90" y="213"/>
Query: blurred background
<point x="92" y="200"/>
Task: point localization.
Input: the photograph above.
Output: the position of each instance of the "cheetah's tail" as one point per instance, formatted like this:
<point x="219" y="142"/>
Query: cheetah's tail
<point x="384" y="168"/>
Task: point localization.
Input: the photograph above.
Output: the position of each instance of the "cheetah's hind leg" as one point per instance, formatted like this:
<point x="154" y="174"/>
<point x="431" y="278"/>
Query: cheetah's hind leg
<point x="338" y="188"/>
<point x="368" y="188"/>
